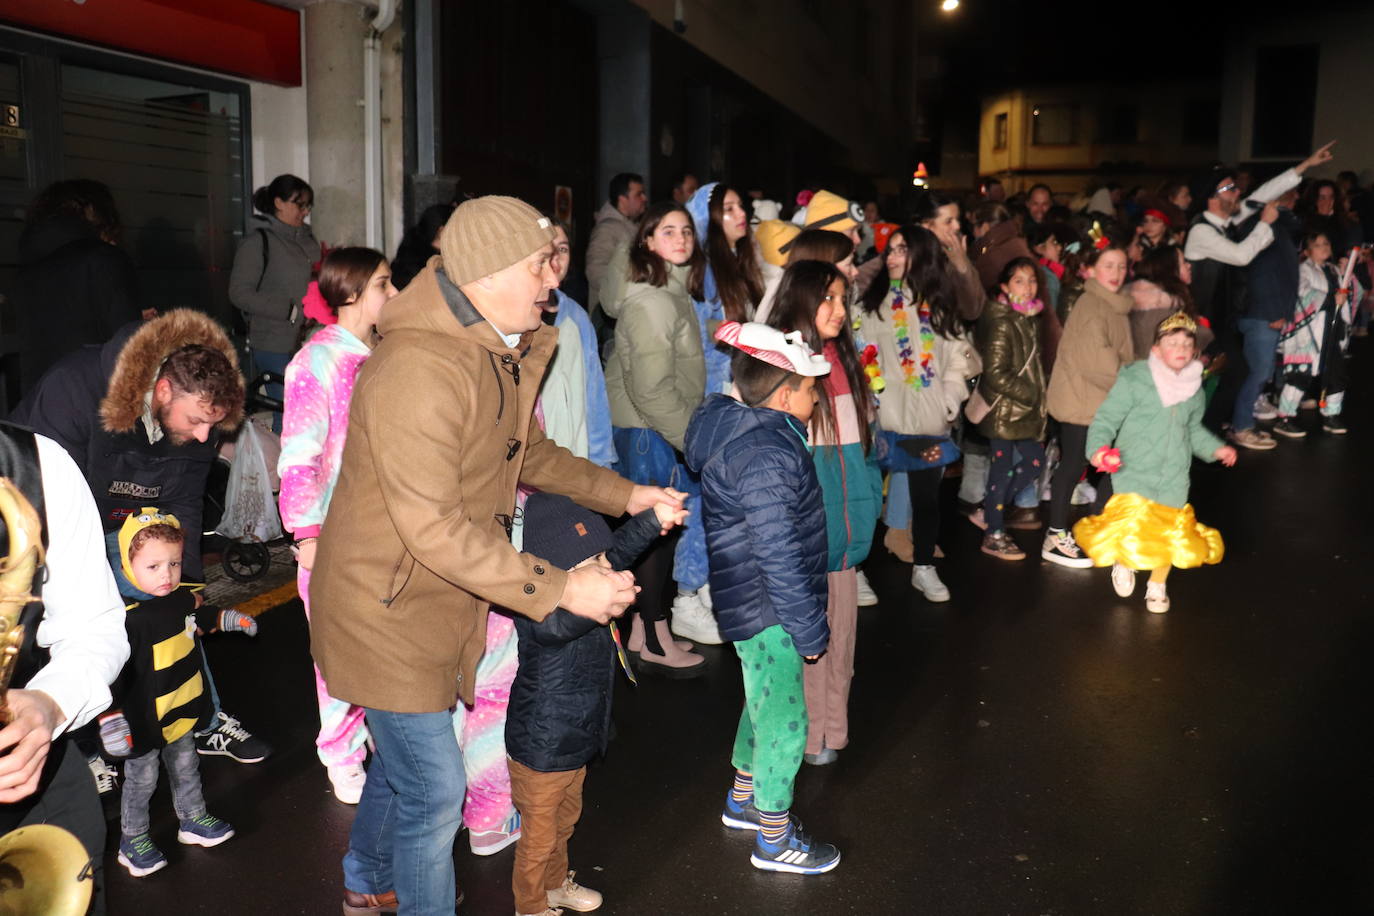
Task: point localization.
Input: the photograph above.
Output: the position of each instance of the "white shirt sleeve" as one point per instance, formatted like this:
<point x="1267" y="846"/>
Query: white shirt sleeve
<point x="1208" y="243"/>
<point x="1273" y="188"/>
<point x="83" y="617"/>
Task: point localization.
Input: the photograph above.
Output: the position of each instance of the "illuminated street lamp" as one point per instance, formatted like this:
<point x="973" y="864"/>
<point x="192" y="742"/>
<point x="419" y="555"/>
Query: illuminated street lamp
<point x="949" y="6"/>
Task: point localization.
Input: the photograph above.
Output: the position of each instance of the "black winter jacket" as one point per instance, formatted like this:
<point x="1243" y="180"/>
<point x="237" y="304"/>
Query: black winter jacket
<point x="72" y="290"/>
<point x="764" y="516"/>
<point x="560" y="703"/>
<point x="1272" y="285"/>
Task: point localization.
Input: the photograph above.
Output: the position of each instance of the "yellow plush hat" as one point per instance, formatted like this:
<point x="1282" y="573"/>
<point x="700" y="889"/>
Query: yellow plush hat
<point x="772" y="235"/>
<point x="146" y="518"/>
<point x="831" y="211"/>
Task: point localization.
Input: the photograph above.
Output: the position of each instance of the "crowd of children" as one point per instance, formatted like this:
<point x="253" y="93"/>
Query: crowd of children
<point x="792" y="398"/>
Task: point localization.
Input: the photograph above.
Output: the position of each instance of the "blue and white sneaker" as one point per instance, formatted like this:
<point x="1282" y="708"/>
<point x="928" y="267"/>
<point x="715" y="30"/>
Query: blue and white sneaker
<point x="206" y="830"/>
<point x="140" y="856"/>
<point x="740" y="817"/>
<point x="797" y="854"/>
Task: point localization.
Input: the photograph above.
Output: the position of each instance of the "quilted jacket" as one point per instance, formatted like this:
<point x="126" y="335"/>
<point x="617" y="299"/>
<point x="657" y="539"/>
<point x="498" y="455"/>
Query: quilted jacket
<point x="765" y="522"/>
<point x="1157" y="443"/>
<point x="1013" y="376"/>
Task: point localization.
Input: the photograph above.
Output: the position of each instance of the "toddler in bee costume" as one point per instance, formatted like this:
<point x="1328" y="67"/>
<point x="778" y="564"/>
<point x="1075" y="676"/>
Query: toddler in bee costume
<point x="1153" y="414"/>
<point x="162" y="690"/>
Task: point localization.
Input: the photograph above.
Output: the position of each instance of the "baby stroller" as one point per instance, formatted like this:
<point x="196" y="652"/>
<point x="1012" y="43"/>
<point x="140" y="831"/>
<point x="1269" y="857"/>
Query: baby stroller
<point x="241" y="497"/>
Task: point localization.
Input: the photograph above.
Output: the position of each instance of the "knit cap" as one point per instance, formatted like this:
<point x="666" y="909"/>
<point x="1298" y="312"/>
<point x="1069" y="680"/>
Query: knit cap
<point x="488" y="234"/>
<point x="562" y="532"/>
<point x="771" y="235"/>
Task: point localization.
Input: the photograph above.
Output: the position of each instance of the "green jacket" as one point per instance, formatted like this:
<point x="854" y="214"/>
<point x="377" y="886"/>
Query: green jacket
<point x="1157" y="443"/>
<point x="656" y="377"/>
<point x="1013" y="375"/>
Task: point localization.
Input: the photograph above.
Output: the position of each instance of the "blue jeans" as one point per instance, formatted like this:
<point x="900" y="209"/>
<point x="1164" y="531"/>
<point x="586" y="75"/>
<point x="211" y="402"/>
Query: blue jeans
<point x="410" y="812"/>
<point x="270" y="361"/>
<point x="897" y="514"/>
<point x="1261" y="342"/>
<point x="647" y="458"/>
<point x="140" y="779"/>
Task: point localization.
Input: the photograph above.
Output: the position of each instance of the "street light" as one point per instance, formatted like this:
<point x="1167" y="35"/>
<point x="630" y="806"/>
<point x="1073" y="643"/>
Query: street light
<point x="949" y="6"/>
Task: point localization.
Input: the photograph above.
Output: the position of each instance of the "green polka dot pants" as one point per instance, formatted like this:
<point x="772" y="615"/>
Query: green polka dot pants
<point x="772" y="728"/>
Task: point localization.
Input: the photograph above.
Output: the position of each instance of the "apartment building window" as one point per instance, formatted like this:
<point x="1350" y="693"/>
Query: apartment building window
<point x="999" y="131"/>
<point x="1119" y="124"/>
<point x="1285" y="100"/>
<point x="1054" y="125"/>
<point x="1201" y="119"/>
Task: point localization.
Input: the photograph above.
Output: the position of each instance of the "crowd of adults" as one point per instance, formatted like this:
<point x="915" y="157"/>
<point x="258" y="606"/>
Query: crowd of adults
<point x="994" y="338"/>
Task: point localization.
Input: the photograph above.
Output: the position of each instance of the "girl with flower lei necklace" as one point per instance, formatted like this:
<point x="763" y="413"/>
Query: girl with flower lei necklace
<point x="910" y="325"/>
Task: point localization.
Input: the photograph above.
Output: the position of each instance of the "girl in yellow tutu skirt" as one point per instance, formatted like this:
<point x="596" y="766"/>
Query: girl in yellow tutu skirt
<point x="1154" y="416"/>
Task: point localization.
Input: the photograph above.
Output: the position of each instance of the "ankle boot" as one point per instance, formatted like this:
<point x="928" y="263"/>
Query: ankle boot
<point x="636" y="643"/>
<point x="674" y="661"/>
<point x="898" y="543"/>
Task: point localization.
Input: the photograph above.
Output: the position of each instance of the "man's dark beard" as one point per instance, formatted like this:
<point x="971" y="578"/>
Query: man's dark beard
<point x="160" y="414"/>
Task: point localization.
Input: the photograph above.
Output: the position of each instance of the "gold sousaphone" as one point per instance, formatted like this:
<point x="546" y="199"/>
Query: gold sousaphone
<point x="44" y="870"/>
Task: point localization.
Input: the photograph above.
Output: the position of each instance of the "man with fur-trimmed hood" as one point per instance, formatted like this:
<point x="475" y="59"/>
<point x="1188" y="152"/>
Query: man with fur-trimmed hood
<point x="142" y="415"/>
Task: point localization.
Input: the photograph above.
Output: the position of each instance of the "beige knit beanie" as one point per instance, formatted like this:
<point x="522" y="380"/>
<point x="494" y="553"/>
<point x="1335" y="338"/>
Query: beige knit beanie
<point x="487" y="234"/>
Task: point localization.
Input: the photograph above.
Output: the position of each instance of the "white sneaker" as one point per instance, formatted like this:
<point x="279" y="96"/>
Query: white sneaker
<point x="1156" y="598"/>
<point x="1123" y="580"/>
<point x="106" y="776"/>
<point x="1265" y="409"/>
<point x="1061" y="548"/>
<point x="867" y="596"/>
<point x="348" y="782"/>
<point x="692" y="619"/>
<point x="927" y="581"/>
<point x="1083" y="494"/>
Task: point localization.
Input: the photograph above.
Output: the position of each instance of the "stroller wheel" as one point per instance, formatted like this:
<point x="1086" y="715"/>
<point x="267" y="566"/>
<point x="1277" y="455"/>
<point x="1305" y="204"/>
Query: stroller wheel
<point x="244" y="562"/>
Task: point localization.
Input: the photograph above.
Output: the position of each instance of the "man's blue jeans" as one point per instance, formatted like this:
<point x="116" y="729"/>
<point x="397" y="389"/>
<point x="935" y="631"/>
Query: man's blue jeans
<point x="410" y="812"/>
<point x="1260" y="344"/>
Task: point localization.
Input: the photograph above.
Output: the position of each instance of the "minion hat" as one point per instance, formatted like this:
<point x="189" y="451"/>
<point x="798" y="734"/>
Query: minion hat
<point x="833" y="212"/>
<point x="146" y="518"/>
<point x="771" y="235"/>
<point x="830" y="212"/>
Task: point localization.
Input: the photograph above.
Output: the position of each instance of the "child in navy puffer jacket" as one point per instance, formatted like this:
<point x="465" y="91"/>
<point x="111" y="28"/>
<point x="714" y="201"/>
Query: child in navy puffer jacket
<point x="766" y="541"/>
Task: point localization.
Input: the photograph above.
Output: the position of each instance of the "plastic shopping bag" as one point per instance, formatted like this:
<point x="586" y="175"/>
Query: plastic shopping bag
<point x="250" y="508"/>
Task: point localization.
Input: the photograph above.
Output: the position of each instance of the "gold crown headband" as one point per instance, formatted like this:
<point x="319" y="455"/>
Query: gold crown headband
<point x="1178" y="321"/>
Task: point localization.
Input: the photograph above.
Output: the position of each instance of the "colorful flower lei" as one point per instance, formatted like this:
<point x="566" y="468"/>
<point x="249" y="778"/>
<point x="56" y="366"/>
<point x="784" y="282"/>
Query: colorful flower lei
<point x="901" y="330"/>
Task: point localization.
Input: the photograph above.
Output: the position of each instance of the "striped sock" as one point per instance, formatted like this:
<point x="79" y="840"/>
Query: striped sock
<point x="742" y="792"/>
<point x="773" y="825"/>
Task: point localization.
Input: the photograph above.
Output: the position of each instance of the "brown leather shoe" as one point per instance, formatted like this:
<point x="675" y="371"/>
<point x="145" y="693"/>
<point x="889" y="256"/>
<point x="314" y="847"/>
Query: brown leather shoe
<point x="356" y="904"/>
<point x="898" y="543"/>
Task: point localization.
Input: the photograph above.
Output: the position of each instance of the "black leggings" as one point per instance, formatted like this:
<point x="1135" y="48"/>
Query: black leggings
<point x="1007" y="476"/>
<point x="652" y="575"/>
<point x="925" y="512"/>
<point x="1073" y="440"/>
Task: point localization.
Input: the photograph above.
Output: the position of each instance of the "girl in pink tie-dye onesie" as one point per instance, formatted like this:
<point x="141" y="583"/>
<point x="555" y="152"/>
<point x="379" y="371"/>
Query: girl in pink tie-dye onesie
<point x="353" y="286"/>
